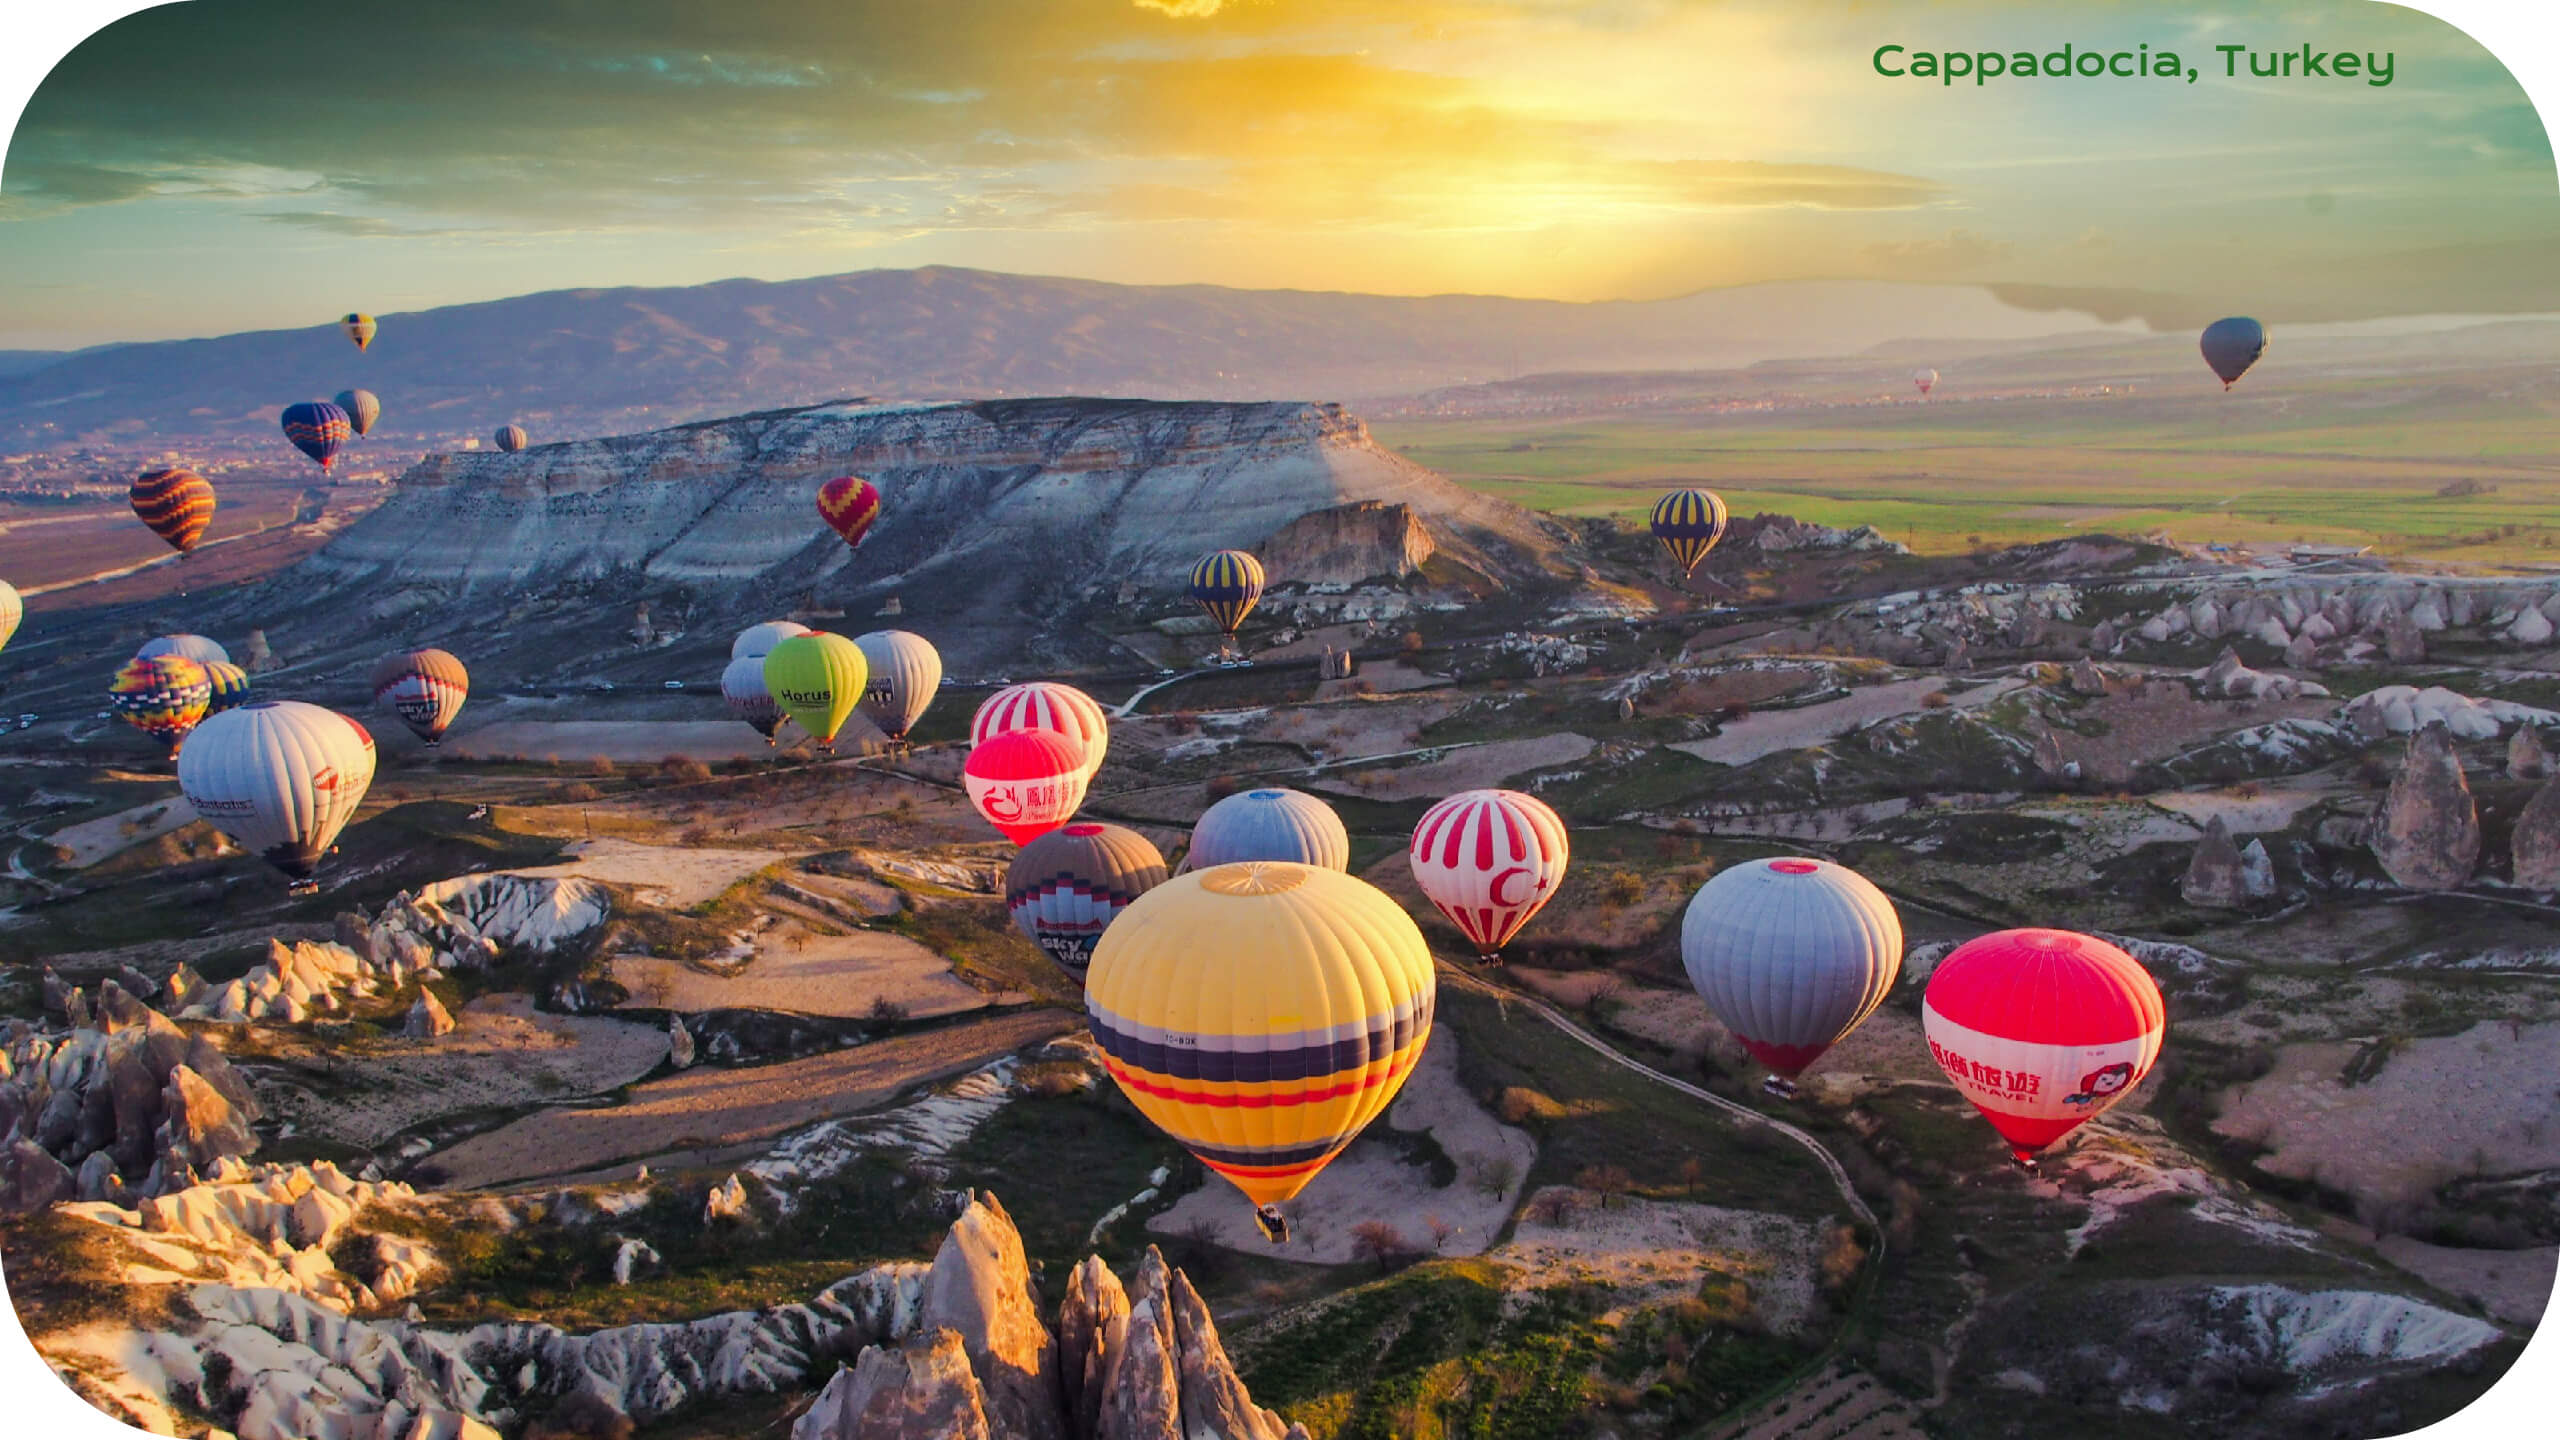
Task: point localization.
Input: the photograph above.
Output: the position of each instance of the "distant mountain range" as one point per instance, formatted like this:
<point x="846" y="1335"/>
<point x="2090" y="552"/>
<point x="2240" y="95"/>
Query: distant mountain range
<point x="583" y="362"/>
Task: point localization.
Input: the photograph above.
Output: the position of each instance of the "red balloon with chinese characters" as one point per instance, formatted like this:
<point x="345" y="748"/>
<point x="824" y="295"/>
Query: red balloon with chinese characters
<point x="2042" y="1030"/>
<point x="1026" y="782"/>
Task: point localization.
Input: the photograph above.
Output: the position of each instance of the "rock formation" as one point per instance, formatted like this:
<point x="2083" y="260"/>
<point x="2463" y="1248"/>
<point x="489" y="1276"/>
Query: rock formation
<point x="2213" y="875"/>
<point x="1346" y="544"/>
<point x="126" y="1099"/>
<point x="2537" y="840"/>
<point x="2087" y="678"/>
<point x="427" y="1018"/>
<point x="2526" y="759"/>
<point x="2405" y="709"/>
<point x="679" y="1043"/>
<point x="727" y="1201"/>
<point x="2427" y="835"/>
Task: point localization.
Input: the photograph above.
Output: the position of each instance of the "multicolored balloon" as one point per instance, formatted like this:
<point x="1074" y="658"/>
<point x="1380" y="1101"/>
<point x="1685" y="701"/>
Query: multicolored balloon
<point x="1066" y="887"/>
<point x="905" y="672"/>
<point x="1227" y="584"/>
<point x="360" y="328"/>
<point x="230" y="687"/>
<point x="1269" y="824"/>
<point x="425" y="688"/>
<point x="317" y="429"/>
<point x="176" y="504"/>
<point x="1262" y="1015"/>
<point x="511" y="438"/>
<point x="281" y="778"/>
<point x="817" y="679"/>
<point x="2041" y="1030"/>
<point x="1026" y="783"/>
<point x="202" y="649"/>
<point x="757" y="641"/>
<point x="1046" y="705"/>
<point x="1489" y="859"/>
<point x="742" y="685"/>
<point x="2231" y="346"/>
<point x="1689" y="523"/>
<point x="163" y="696"/>
<point x="1791" y="954"/>
<point x="363" y="407"/>
<point x="12" y="610"/>
<point x="849" y="504"/>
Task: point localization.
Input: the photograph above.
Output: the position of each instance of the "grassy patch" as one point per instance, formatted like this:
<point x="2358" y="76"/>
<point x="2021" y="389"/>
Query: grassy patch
<point x="1058" y="1163"/>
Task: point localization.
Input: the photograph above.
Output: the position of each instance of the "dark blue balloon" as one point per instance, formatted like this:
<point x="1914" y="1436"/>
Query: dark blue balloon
<point x="317" y="429"/>
<point x="2231" y="346"/>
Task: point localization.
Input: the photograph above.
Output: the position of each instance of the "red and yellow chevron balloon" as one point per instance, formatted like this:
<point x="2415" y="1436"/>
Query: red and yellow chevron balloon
<point x="163" y="696"/>
<point x="849" y="504"/>
<point x="176" y="504"/>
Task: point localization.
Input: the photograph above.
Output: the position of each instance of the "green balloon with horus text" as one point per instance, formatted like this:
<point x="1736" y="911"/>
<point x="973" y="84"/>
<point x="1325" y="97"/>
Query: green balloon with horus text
<point x="817" y="679"/>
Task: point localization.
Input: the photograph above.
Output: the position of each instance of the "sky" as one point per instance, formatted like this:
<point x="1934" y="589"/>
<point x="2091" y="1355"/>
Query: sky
<point x="222" y="165"/>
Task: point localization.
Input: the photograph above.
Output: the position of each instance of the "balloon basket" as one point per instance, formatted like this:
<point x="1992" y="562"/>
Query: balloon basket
<point x="300" y="888"/>
<point x="2026" y="1163"/>
<point x="1275" y="1226"/>
<point x="1779" y="1087"/>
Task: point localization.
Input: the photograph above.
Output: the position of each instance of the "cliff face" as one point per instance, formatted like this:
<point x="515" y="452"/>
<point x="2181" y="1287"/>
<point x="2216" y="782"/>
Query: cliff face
<point x="1350" y="543"/>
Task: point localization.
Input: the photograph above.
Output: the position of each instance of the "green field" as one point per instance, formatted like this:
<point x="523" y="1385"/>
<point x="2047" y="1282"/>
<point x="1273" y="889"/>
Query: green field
<point x="2350" y="460"/>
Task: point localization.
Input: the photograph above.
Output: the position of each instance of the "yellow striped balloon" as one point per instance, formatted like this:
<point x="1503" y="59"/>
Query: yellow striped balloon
<point x="1262" y="1013"/>
<point x="1227" y="584"/>
<point x="1689" y="523"/>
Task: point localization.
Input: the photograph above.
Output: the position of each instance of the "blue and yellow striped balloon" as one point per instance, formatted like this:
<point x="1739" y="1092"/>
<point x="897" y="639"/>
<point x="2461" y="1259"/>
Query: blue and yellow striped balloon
<point x="1261" y="1014"/>
<point x="1689" y="523"/>
<point x="1227" y="584"/>
<point x="230" y="686"/>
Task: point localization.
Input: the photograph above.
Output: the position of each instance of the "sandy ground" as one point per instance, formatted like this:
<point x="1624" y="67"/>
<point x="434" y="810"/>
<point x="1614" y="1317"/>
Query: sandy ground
<point x="91" y="841"/>
<point x="1766" y="732"/>
<point x="2271" y="809"/>
<point x="2512" y="1285"/>
<point x="1372" y="1181"/>
<point x="1361" y="727"/>
<point x="501" y="1052"/>
<point x="621" y="741"/>
<point x="1646" y="1252"/>
<point x="819" y="975"/>
<point x="1476" y="767"/>
<point x="2441" y="1108"/>
<point x="662" y="875"/>
<point x="706" y="1106"/>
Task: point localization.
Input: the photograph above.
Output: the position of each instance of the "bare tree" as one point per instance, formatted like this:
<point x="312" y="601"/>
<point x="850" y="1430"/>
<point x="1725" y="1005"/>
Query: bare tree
<point x="1440" y="1230"/>
<point x="1379" y="1241"/>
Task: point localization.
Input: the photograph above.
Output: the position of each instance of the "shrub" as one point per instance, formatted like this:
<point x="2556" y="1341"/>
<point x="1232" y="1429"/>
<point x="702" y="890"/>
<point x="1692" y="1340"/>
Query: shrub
<point x="1379" y="1241"/>
<point x="1222" y="786"/>
<point x="1620" y="888"/>
<point x="1609" y="1182"/>
<point x="580" y="791"/>
<point x="684" y="770"/>
<point x="601" y="767"/>
<point x="581" y="1415"/>
<point x="1935" y="700"/>
<point x="885" y="1011"/>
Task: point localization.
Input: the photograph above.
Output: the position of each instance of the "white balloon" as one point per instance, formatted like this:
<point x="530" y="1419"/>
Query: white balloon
<point x="279" y="777"/>
<point x="757" y="641"/>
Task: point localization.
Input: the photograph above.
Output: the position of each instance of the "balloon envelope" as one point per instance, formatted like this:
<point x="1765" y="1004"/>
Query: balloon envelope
<point x="279" y="777"/>
<point x="2042" y="1029"/>
<point x="1067" y="886"/>
<point x="12" y="611"/>
<point x="363" y="407"/>
<point x="1269" y="824"/>
<point x="2232" y="345"/>
<point x="201" y="649"/>
<point x="1261" y="1015"/>
<point x="1489" y="859"/>
<point x="1791" y="955"/>
<point x="425" y="688"/>
<point x="757" y="641"/>
<point x="360" y="328"/>
<point x="512" y="438"/>
<point x="849" y="504"/>
<point x="1689" y="523"/>
<point x="176" y="504"/>
<point x="317" y="429"/>
<point x="817" y="679"/>
<point x="905" y="672"/>
<point x="230" y="687"/>
<point x="1026" y="783"/>
<point x="1227" y="584"/>
<point x="1046" y="705"/>
<point x="1924" y="379"/>
<point x="163" y="696"/>
<point x="742" y="685"/>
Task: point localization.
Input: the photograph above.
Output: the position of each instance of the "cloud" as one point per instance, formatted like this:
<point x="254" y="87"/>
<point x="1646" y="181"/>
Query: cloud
<point x="1954" y="253"/>
<point x="364" y="227"/>
<point x="1820" y="187"/>
<point x="1183" y="9"/>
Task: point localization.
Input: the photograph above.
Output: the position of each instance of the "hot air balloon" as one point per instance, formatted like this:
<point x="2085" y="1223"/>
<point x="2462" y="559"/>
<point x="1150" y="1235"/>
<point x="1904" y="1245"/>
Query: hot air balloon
<point x="1689" y="523"/>
<point x="849" y="504"/>
<point x="742" y="685"/>
<point x="1066" y="887"/>
<point x="281" y="778"/>
<point x="1046" y="705"/>
<point x="359" y="328"/>
<point x="757" y="641"/>
<point x="1269" y="824"/>
<point x="201" y="649"/>
<point x="2042" y="1029"/>
<point x="163" y="696"/>
<point x="176" y="504"/>
<point x="1791" y="955"/>
<point x="1025" y="782"/>
<point x="905" y="671"/>
<point x="1227" y="584"/>
<point x="317" y="429"/>
<point x="12" y="610"/>
<point x="2232" y="345"/>
<point x="511" y="438"/>
<point x="425" y="688"/>
<point x="230" y="687"/>
<point x="816" y="679"/>
<point x="1924" y="379"/>
<point x="1261" y="1014"/>
<point x="1489" y="859"/>
<point x="363" y="407"/>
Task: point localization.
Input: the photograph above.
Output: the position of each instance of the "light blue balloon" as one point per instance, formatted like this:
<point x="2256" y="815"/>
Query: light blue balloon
<point x="1270" y="825"/>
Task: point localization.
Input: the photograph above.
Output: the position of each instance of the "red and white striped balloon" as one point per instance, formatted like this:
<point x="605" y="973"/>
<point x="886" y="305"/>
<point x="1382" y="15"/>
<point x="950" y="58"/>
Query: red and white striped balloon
<point x="1046" y="705"/>
<point x="1025" y="782"/>
<point x="1489" y="859"/>
<point x="2042" y="1029"/>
